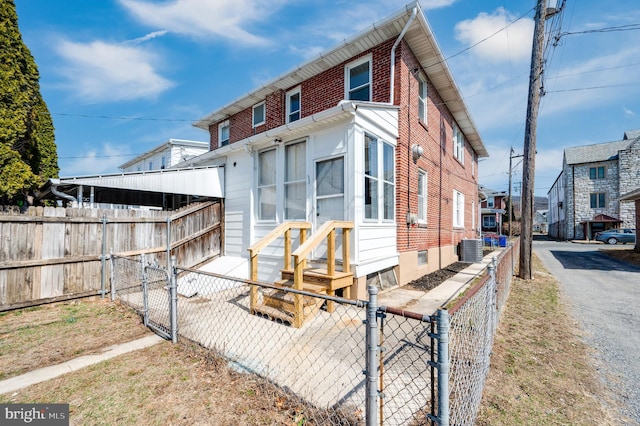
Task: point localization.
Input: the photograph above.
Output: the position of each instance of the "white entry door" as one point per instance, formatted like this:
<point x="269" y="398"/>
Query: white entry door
<point x="329" y="202"/>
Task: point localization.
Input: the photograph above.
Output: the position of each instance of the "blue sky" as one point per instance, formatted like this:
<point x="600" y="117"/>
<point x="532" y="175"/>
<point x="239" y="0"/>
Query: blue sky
<point x="123" y="76"/>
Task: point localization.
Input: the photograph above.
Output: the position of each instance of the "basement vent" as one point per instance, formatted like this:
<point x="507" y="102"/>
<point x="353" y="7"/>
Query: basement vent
<point x="471" y="251"/>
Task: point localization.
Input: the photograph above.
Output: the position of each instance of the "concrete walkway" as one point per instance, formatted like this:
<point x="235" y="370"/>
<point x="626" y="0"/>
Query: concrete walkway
<point x="401" y="298"/>
<point x="429" y="302"/>
<point x="31" y="378"/>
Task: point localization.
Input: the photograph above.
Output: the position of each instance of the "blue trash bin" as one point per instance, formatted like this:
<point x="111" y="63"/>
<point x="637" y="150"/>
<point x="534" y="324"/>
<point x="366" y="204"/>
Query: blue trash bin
<point x="503" y="240"/>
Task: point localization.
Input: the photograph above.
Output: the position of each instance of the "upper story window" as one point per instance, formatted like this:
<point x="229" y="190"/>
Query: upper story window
<point x="358" y="80"/>
<point x="379" y="179"/>
<point x="223" y="133"/>
<point x="293" y="105"/>
<point x="458" y="209"/>
<point x="597" y="200"/>
<point x="422" y="99"/>
<point x="458" y="144"/>
<point x="163" y="162"/>
<point x="596" y="172"/>
<point x="491" y="202"/>
<point x="258" y="114"/>
<point x="150" y="165"/>
<point x="422" y="196"/>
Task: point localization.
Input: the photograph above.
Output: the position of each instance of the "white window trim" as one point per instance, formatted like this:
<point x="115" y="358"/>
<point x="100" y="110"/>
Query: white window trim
<point x="347" y="68"/>
<point x="220" y="127"/>
<point x="286" y="182"/>
<point x="458" y="144"/>
<point x="422" y="199"/>
<point x="458" y="210"/>
<point x="259" y="219"/>
<point x="423" y="100"/>
<point x="380" y="180"/>
<point x="264" y="114"/>
<point x="290" y="93"/>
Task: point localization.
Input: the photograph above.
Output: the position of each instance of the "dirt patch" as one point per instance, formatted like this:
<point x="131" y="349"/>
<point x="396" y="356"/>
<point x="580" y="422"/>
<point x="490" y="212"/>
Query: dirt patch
<point x="432" y="280"/>
<point x="540" y="371"/>
<point x="45" y="335"/>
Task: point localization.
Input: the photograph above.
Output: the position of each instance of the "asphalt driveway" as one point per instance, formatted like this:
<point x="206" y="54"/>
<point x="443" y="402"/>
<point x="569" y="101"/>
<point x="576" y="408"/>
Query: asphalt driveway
<point x="604" y="294"/>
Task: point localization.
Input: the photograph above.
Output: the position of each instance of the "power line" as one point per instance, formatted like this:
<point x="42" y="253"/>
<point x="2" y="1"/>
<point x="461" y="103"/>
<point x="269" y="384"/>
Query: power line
<point x="115" y="117"/>
<point x="579" y="89"/>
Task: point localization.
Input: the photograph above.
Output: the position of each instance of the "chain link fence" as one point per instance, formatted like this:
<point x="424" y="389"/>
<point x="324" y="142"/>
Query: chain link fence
<point x="473" y="323"/>
<point x="351" y="362"/>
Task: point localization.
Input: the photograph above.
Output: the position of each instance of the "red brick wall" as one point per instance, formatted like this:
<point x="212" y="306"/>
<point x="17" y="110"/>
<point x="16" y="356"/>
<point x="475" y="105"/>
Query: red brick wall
<point x="318" y="93"/>
<point x="444" y="172"/>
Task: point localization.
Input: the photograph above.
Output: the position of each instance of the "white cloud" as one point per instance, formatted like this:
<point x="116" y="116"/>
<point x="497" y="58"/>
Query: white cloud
<point x="511" y="44"/>
<point x="225" y="19"/>
<point x="586" y="83"/>
<point x="628" y="112"/>
<point x="97" y="161"/>
<point x="147" y="37"/>
<point x="100" y="72"/>
<point x="436" y="4"/>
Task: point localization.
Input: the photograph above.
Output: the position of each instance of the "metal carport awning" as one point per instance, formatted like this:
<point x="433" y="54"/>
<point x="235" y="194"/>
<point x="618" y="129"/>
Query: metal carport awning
<point x="197" y="181"/>
<point x="130" y="188"/>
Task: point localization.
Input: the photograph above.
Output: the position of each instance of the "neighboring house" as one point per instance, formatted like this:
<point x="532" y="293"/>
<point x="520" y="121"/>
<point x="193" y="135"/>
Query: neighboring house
<point x="540" y="223"/>
<point x="165" y="155"/>
<point x="634" y="196"/>
<point x="374" y="132"/>
<point x="492" y="209"/>
<point x="585" y="197"/>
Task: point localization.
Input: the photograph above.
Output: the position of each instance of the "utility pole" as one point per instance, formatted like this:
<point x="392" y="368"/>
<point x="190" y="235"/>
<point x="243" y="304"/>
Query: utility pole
<point x="511" y="215"/>
<point x="528" y="167"/>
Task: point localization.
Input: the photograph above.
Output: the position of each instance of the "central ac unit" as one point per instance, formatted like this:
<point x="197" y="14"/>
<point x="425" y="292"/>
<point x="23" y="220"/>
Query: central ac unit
<point x="471" y="251"/>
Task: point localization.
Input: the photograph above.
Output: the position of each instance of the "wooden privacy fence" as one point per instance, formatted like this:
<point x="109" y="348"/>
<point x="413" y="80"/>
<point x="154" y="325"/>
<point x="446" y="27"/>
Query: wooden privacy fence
<point x="49" y="254"/>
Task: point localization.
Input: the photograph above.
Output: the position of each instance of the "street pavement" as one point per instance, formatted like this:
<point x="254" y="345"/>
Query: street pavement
<point x="604" y="295"/>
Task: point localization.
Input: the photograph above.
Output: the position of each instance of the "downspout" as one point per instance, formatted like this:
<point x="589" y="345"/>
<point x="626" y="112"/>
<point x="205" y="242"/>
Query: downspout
<point x="54" y="190"/>
<point x="414" y="12"/>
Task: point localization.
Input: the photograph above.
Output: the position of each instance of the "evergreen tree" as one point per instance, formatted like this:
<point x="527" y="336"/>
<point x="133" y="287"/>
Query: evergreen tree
<point x="28" y="155"/>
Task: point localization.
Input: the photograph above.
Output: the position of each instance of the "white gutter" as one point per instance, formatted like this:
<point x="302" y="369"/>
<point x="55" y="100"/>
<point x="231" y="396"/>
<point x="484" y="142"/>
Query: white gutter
<point x="54" y="191"/>
<point x="414" y="12"/>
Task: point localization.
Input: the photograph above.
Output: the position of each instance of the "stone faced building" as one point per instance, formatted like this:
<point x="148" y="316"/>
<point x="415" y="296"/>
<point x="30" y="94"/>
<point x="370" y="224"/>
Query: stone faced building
<point x="585" y="198"/>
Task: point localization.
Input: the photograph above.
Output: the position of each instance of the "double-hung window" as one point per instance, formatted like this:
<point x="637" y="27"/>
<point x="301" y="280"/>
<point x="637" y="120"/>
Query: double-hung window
<point x="223" y="133"/>
<point x="458" y="144"/>
<point x="293" y="105"/>
<point x="597" y="200"/>
<point x="259" y="114"/>
<point x="295" y="182"/>
<point x="422" y="196"/>
<point x="458" y="209"/>
<point x="379" y="179"/>
<point x="422" y="99"/>
<point x="596" y="172"/>
<point x="267" y="185"/>
<point x="358" y="80"/>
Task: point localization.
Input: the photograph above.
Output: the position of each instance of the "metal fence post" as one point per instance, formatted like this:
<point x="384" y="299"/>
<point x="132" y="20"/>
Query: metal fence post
<point x="443" y="367"/>
<point x="372" y="358"/>
<point x="173" y="291"/>
<point x="112" y="278"/>
<point x="145" y="293"/>
<point x="169" y="245"/>
<point x="103" y="257"/>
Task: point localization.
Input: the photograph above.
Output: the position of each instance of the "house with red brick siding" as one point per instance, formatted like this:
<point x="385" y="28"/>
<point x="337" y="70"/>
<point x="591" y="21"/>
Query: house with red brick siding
<point x="492" y="207"/>
<point x="373" y="132"/>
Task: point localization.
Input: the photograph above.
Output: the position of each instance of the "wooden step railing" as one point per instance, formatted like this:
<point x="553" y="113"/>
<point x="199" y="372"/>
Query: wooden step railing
<point x="328" y="231"/>
<point x="282" y="229"/>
